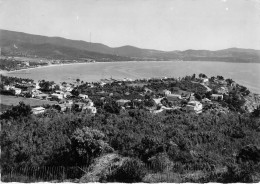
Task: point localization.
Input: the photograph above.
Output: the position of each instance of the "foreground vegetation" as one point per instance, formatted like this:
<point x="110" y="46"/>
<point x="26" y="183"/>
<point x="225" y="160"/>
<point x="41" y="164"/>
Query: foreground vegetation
<point x="131" y="144"/>
<point x="182" y="143"/>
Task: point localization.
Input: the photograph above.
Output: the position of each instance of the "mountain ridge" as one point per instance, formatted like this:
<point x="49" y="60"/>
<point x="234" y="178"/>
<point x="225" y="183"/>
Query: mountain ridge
<point x="29" y="43"/>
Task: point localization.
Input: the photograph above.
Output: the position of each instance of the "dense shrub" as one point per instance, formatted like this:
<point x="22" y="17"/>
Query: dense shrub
<point x="131" y="171"/>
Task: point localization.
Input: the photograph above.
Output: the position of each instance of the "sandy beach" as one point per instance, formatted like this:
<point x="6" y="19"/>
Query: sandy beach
<point x="2" y="72"/>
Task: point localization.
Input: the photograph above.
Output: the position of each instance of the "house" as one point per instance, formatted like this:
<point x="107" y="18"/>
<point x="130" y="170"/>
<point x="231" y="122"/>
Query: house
<point x="148" y="90"/>
<point x="217" y="97"/>
<point x="157" y="101"/>
<point x="122" y="102"/>
<point x="41" y="96"/>
<point x="173" y="97"/>
<point x="83" y="96"/>
<point x="204" y="80"/>
<point x="157" y="111"/>
<point x="90" y="110"/>
<point x="67" y="94"/>
<point x="37" y="86"/>
<point x="68" y="88"/>
<point x="102" y="93"/>
<point x="166" y="92"/>
<point x="90" y="103"/>
<point x="222" y="82"/>
<point x="7" y="87"/>
<point x="38" y="110"/>
<point x="222" y="90"/>
<point x="233" y="86"/>
<point x="16" y="91"/>
<point x="61" y="107"/>
<point x="194" y="106"/>
<point x="57" y="96"/>
<point x="206" y="100"/>
<point x="102" y="83"/>
<point x="26" y="63"/>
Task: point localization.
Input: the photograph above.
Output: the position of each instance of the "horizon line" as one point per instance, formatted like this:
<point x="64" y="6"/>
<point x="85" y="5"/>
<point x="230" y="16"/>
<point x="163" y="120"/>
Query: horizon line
<point x="126" y="45"/>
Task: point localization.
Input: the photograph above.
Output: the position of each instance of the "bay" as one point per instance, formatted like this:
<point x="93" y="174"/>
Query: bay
<point x="247" y="74"/>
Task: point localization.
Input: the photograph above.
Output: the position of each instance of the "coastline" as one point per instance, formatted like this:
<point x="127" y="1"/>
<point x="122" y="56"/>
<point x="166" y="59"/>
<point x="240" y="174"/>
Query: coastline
<point x="120" y="70"/>
<point x="2" y="72"/>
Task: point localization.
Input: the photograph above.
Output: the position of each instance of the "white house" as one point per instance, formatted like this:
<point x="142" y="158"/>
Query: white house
<point x="122" y="102"/>
<point x="173" y="97"/>
<point x="40" y="96"/>
<point x="83" y="96"/>
<point x="37" y="86"/>
<point x="157" y="100"/>
<point x="206" y="100"/>
<point x="166" y="92"/>
<point x="91" y="110"/>
<point x="90" y="104"/>
<point x="57" y="96"/>
<point x="194" y="106"/>
<point x="38" y="110"/>
<point x="216" y="97"/>
<point x="7" y="87"/>
<point x="222" y="90"/>
<point x="16" y="91"/>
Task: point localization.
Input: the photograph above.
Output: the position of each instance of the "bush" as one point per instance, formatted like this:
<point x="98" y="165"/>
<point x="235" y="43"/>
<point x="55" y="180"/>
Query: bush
<point x="132" y="170"/>
<point x="160" y="162"/>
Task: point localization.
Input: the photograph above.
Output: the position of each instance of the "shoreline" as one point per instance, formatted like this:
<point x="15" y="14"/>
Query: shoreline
<point x="53" y="65"/>
<point x="26" y="71"/>
<point x="46" y="66"/>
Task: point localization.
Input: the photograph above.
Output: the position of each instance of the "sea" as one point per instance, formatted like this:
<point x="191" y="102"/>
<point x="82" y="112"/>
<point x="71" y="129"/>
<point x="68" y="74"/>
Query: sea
<point x="246" y="74"/>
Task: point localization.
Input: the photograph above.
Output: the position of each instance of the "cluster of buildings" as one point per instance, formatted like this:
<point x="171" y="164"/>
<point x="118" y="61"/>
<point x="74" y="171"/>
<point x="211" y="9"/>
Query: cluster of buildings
<point x="162" y="100"/>
<point x="65" y="100"/>
<point x="176" y="97"/>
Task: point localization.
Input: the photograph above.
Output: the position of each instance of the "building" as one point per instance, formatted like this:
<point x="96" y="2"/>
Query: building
<point x="16" y="91"/>
<point x="204" y="80"/>
<point x="38" y="110"/>
<point x="206" y="100"/>
<point x="57" y="96"/>
<point x="90" y="110"/>
<point x="122" y="102"/>
<point x="217" y="97"/>
<point x="194" y="106"/>
<point x="41" y="96"/>
<point x="173" y="97"/>
<point x="148" y="90"/>
<point x="157" y="101"/>
<point x="166" y="92"/>
<point x="222" y="90"/>
<point x="90" y="103"/>
<point x="37" y="86"/>
<point x="222" y="82"/>
<point x="83" y="96"/>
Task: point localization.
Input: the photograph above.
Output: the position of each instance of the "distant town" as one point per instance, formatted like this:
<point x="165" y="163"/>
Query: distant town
<point x="190" y="94"/>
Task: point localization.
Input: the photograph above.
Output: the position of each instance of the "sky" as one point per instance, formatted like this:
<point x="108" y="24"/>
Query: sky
<point x="154" y="24"/>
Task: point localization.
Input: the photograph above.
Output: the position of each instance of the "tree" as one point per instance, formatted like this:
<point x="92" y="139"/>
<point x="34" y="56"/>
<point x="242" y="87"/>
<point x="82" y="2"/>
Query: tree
<point x="201" y="75"/>
<point x="256" y="112"/>
<point x="131" y="171"/>
<point x="89" y="144"/>
<point x="193" y="76"/>
<point x="46" y="85"/>
<point x="219" y="77"/>
<point x="21" y="110"/>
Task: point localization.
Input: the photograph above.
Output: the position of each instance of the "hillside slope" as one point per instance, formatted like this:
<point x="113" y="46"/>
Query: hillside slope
<point x="21" y="43"/>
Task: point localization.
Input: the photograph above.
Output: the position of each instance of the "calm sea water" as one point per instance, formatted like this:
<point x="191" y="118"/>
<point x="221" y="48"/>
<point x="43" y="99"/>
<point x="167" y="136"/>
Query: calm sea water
<point x="247" y="74"/>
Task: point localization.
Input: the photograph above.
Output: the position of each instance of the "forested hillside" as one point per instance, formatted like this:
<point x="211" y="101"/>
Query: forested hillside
<point x="183" y="143"/>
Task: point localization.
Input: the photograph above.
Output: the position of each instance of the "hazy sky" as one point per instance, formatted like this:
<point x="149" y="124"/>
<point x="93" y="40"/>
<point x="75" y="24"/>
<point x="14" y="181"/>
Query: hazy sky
<point x="154" y="24"/>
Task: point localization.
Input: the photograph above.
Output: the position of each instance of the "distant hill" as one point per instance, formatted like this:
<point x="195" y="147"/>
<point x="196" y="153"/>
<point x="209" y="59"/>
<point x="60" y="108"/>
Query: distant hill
<point x="55" y="47"/>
